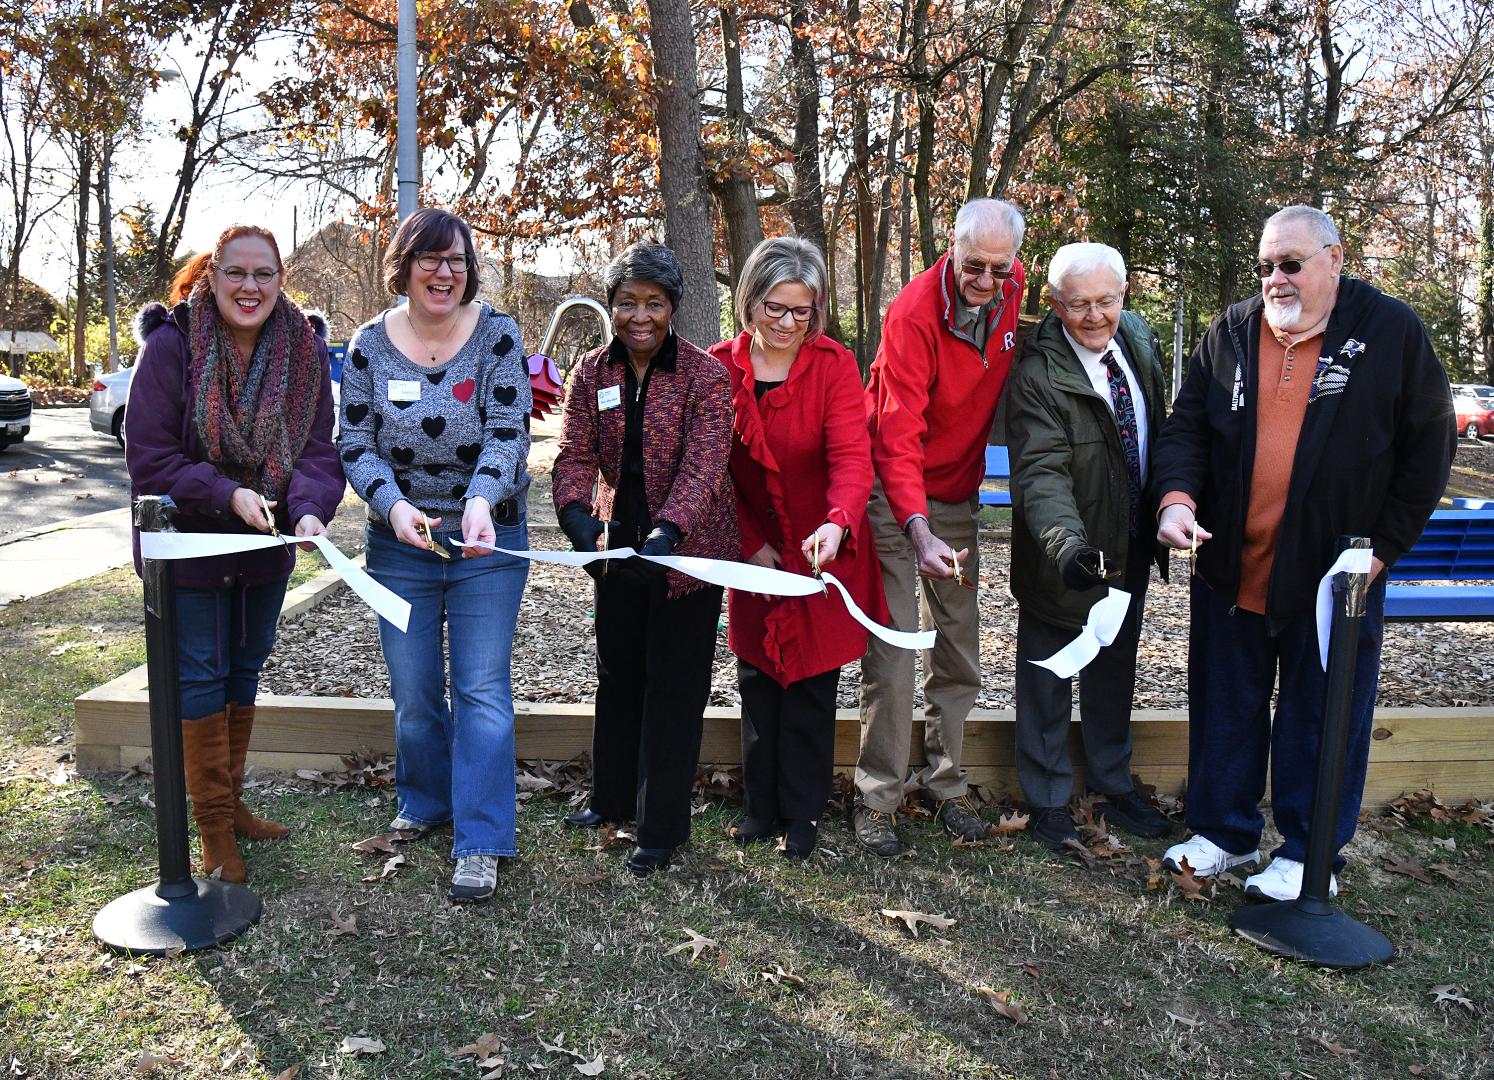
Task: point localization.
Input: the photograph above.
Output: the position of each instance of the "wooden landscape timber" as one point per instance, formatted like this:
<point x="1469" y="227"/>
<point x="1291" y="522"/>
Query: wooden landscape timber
<point x="1449" y="750"/>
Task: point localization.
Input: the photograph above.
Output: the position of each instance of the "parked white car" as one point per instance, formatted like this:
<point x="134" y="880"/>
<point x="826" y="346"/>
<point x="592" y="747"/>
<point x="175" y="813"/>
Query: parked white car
<point x="106" y="405"/>
<point x="15" y="411"/>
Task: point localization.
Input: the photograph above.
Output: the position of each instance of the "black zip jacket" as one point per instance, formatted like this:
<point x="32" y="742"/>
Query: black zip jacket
<point x="1372" y="460"/>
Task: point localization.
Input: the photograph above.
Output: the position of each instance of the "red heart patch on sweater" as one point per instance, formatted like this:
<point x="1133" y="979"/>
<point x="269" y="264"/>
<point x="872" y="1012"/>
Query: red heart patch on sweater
<point x="462" y="391"/>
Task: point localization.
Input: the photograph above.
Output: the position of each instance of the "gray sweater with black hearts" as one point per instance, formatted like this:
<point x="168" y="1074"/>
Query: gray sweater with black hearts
<point x="436" y="436"/>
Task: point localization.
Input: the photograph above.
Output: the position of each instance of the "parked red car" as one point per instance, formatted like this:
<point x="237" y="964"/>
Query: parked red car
<point x="1475" y="416"/>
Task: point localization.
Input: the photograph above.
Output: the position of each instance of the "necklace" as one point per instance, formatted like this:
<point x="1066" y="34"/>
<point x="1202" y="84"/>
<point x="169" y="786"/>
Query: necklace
<point x="428" y="347"/>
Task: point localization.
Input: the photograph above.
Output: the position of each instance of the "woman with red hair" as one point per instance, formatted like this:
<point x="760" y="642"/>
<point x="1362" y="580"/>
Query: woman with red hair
<point x="231" y="416"/>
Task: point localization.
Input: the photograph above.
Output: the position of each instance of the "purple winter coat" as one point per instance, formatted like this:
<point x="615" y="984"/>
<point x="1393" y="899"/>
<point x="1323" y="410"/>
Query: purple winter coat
<point x="164" y="457"/>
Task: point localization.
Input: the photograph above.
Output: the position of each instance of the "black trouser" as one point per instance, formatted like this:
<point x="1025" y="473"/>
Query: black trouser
<point x="788" y="744"/>
<point x="1107" y="686"/>
<point x="653" y="680"/>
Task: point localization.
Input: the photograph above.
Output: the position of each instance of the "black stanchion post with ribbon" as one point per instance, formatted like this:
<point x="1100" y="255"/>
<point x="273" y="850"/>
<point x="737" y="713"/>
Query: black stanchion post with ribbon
<point x="1311" y="928"/>
<point x="179" y="912"/>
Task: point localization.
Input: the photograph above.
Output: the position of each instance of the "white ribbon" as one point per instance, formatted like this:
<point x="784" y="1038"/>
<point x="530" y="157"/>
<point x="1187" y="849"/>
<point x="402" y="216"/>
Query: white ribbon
<point x="1104" y="622"/>
<point x="179" y="545"/>
<point x="1351" y="561"/>
<point x="747" y="577"/>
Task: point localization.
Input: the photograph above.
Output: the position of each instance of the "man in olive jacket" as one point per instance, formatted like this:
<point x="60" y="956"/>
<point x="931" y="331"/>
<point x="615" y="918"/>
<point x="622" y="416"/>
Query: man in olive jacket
<point x="1085" y="404"/>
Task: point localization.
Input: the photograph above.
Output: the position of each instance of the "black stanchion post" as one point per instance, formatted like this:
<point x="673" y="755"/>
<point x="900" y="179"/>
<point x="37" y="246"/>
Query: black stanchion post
<point x="179" y="912"/>
<point x="1310" y="927"/>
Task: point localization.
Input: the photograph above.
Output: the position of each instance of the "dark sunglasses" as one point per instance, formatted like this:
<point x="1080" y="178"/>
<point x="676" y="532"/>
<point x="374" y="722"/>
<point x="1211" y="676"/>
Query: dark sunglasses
<point x="1287" y="266"/>
<point x="979" y="270"/>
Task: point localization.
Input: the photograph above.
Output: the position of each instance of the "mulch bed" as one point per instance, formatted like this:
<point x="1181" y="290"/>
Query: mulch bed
<point x="334" y="651"/>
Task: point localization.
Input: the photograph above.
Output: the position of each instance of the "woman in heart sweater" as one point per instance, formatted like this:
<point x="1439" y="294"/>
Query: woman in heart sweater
<point x="434" y="438"/>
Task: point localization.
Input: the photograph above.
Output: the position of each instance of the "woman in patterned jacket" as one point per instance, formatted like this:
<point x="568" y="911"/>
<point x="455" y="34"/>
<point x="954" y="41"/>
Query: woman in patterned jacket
<point x="647" y="425"/>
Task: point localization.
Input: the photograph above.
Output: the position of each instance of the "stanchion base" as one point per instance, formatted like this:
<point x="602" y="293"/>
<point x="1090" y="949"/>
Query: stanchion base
<point x="1330" y="939"/>
<point x="143" y="923"/>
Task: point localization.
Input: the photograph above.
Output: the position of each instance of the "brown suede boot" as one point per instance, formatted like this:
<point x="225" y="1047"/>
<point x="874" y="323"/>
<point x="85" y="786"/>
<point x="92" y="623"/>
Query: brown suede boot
<point x="245" y="824"/>
<point x="210" y="785"/>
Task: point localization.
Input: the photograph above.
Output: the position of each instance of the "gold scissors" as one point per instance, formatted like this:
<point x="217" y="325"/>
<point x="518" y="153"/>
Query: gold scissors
<point x="1193" y="548"/>
<point x="269" y="517"/>
<point x="606" y="543"/>
<point x="814" y="564"/>
<point x="430" y="543"/>
<point x="959" y="575"/>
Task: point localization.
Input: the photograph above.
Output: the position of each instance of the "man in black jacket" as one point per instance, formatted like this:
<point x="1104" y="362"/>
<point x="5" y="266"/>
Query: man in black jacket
<point x="1313" y="411"/>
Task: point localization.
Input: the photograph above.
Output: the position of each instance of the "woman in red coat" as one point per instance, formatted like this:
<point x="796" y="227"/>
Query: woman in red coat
<point x="801" y="464"/>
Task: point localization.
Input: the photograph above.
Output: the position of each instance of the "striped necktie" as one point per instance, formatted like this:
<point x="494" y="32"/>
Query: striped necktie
<point x="1125" y="419"/>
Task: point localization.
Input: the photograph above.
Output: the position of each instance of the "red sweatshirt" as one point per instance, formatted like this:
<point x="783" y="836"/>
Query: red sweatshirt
<point x="932" y="395"/>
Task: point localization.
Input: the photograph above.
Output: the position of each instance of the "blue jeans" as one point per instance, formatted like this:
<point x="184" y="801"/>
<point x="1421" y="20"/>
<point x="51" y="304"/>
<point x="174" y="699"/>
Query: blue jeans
<point x="1233" y="664"/>
<point x="454" y="762"/>
<point x="222" y="639"/>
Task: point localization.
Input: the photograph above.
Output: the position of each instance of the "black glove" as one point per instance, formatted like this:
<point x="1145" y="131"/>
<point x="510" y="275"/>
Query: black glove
<point x="662" y="541"/>
<point x="1079" y="566"/>
<point x="580" y="528"/>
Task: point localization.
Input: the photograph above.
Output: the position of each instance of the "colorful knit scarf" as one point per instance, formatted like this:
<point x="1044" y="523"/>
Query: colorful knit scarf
<point x="254" y="414"/>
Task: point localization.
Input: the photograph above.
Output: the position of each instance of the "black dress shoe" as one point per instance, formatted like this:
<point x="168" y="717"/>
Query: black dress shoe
<point x="751" y="830"/>
<point x="1133" y="814"/>
<point x="1053" y="827"/>
<point x="645" y="860"/>
<point x="586" y="818"/>
<point x="798" y="840"/>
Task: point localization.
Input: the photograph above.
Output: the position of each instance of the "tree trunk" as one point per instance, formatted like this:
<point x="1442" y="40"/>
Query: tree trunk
<point x="1018" y="131"/>
<point x="80" y="237"/>
<point x="807" y="203"/>
<point x="993" y="93"/>
<point x="687" y="204"/>
<point x="737" y="193"/>
<point x="106" y="239"/>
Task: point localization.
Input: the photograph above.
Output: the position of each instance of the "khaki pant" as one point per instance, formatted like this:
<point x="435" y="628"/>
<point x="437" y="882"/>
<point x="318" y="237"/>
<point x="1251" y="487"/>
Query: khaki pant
<point x="951" y="669"/>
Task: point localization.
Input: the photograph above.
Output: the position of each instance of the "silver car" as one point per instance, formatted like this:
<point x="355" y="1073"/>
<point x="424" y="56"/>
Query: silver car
<point x="106" y="405"/>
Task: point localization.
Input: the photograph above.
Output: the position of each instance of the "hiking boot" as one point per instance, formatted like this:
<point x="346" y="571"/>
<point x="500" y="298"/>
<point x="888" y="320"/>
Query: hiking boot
<point x="475" y="879"/>
<point x="1282" y="880"/>
<point x="1053" y="827"/>
<point x="875" y="831"/>
<point x="1130" y="813"/>
<point x="1205" y="858"/>
<point x="960" y="819"/>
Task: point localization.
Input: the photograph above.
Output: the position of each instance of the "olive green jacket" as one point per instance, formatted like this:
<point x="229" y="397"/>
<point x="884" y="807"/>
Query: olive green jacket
<point x="1068" y="469"/>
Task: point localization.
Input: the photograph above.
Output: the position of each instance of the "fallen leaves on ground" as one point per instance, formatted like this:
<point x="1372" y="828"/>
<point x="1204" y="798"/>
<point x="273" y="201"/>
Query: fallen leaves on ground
<point x="289" y="1074"/>
<point x="380" y="843"/>
<point x="1003" y="1003"/>
<point x="1193" y="888"/>
<point x="697" y="944"/>
<point x="149" y="1063"/>
<point x="593" y="1067"/>
<point x="1450" y="994"/>
<point x="1336" y="1049"/>
<point x="343" y="926"/>
<point x="360" y="1044"/>
<point x="781" y="976"/>
<point x="912" y="919"/>
<point x="1407" y="866"/>
<point x="1012" y="823"/>
<point x="390" y="867"/>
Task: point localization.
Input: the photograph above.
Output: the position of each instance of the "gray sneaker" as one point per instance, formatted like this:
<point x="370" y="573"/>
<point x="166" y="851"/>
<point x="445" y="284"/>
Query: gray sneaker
<point x="960" y="819"/>
<point x="875" y="831"/>
<point x="475" y="879"/>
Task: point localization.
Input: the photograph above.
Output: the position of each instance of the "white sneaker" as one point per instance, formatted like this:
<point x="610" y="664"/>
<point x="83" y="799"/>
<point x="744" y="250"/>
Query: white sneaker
<point x="475" y="879"/>
<point x="1282" y="880"/>
<point x="1205" y="858"/>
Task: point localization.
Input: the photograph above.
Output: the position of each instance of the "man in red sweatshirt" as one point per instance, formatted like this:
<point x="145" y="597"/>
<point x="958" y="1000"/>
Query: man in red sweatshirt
<point x="947" y="345"/>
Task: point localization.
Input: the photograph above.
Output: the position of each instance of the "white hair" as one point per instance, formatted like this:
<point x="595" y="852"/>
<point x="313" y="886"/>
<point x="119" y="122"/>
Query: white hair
<point x="989" y="217"/>
<point x="1321" y="223"/>
<point x="1080" y="259"/>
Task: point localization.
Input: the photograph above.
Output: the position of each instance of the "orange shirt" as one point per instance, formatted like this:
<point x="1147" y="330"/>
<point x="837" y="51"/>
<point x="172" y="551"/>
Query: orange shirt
<point x="1285" y="376"/>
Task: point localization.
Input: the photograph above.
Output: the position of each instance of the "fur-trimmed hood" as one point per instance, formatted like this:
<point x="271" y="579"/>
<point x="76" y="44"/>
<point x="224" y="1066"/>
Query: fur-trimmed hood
<point x="155" y="315"/>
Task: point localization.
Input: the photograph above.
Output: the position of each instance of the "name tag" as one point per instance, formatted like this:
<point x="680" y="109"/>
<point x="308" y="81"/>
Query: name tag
<point x="404" y="389"/>
<point x="609" y="397"/>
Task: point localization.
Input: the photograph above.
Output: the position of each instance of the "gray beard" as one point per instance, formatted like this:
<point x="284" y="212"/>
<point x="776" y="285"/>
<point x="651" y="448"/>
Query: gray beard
<point x="1283" y="313"/>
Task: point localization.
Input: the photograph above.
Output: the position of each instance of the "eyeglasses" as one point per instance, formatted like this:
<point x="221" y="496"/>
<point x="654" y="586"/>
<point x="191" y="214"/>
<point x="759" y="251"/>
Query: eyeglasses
<point x="458" y="264"/>
<point x="1103" y="306"/>
<point x="237" y="274"/>
<point x="1287" y="266"/>
<point x="979" y="270"/>
<point x="774" y="310"/>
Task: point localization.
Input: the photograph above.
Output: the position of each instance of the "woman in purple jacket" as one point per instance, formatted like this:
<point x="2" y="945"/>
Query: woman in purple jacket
<point x="231" y="416"/>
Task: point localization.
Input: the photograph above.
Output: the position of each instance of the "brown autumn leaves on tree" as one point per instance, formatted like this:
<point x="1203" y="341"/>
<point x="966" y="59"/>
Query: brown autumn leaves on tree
<point x="1168" y="129"/>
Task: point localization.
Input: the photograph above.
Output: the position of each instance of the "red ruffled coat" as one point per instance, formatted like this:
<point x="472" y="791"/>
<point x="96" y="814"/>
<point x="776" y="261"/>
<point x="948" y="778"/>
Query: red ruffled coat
<point x="800" y="457"/>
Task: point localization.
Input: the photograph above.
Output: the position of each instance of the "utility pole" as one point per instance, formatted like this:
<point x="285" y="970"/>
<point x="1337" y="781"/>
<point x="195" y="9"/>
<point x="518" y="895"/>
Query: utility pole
<point x="407" y="153"/>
